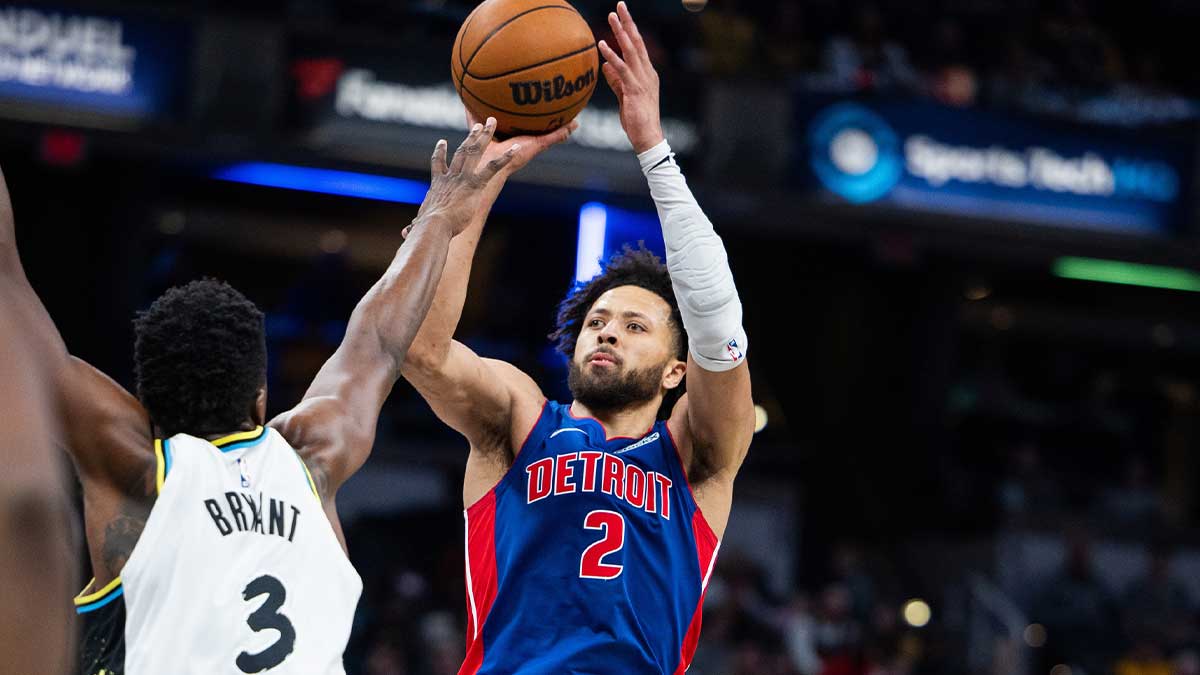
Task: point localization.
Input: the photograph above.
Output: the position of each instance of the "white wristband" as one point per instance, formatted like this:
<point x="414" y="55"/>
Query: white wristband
<point x="704" y="288"/>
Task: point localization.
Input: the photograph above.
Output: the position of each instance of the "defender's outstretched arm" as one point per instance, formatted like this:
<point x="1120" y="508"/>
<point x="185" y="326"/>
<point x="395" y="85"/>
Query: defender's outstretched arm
<point x="334" y="426"/>
<point x="38" y="559"/>
<point x="104" y="428"/>
<point x="472" y="395"/>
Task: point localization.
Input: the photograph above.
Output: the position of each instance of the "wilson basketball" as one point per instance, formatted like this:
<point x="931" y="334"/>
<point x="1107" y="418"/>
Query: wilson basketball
<point x="531" y="64"/>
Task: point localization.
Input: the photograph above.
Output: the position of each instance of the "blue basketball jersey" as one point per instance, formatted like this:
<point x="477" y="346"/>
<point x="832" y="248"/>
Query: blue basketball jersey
<point x="589" y="556"/>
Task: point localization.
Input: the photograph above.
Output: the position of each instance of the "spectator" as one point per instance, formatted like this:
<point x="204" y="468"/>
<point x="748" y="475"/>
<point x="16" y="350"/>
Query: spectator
<point x="839" y="634"/>
<point x="953" y="78"/>
<point x="786" y="45"/>
<point x="1077" y="611"/>
<point x="1157" y="607"/>
<point x="848" y="569"/>
<point x="868" y="59"/>
<point x="1028" y="490"/>
<point x="1145" y="658"/>
<point x="384" y="657"/>
<point x="1134" y="505"/>
<point x="799" y="634"/>
<point x="729" y="38"/>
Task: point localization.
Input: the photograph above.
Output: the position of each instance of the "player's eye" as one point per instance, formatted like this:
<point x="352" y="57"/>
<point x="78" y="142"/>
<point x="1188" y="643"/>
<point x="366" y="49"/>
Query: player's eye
<point x="595" y="323"/>
<point x="636" y="327"/>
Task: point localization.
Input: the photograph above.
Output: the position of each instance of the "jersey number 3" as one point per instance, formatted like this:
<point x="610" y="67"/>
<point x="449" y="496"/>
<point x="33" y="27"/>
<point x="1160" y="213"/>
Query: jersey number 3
<point x="267" y="616"/>
<point x="592" y="565"/>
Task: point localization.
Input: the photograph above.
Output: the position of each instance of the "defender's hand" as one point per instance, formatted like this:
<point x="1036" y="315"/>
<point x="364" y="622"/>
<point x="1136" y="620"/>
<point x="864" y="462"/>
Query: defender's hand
<point x="458" y="190"/>
<point x="531" y="146"/>
<point x="634" y="80"/>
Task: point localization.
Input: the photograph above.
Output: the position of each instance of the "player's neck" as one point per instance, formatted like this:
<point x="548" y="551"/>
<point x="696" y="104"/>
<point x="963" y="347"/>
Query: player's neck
<point x="248" y="425"/>
<point x="244" y="427"/>
<point x="629" y="422"/>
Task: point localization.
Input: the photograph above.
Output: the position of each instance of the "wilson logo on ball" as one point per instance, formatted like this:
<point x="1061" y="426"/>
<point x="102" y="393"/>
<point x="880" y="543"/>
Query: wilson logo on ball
<point x="545" y="91"/>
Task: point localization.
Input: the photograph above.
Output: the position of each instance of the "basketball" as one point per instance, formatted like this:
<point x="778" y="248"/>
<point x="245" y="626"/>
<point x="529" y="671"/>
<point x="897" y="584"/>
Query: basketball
<point x="531" y="64"/>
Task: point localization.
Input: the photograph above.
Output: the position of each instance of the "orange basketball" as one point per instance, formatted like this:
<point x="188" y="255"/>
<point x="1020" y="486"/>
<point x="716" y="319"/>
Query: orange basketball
<point x="531" y="64"/>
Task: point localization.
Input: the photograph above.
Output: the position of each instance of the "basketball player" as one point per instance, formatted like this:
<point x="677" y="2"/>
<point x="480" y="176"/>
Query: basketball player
<point x="37" y="558"/>
<point x="214" y="539"/>
<point x="592" y="528"/>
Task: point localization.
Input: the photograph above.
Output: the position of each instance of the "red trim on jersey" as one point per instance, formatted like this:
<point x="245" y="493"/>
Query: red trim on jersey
<point x="686" y="479"/>
<point x="482" y="580"/>
<point x="706" y="554"/>
<point x="536" y="422"/>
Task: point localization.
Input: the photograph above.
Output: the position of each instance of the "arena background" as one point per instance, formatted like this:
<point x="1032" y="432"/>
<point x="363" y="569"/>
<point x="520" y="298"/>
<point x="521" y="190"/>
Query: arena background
<point x="965" y="234"/>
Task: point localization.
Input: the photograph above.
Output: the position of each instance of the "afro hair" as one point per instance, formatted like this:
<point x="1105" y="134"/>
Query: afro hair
<point x="200" y="357"/>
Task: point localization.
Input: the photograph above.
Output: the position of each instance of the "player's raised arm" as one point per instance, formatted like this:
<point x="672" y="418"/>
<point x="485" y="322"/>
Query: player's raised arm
<point x="334" y="426"/>
<point x="37" y="561"/>
<point x="472" y="395"/>
<point x="717" y="414"/>
<point x="104" y="428"/>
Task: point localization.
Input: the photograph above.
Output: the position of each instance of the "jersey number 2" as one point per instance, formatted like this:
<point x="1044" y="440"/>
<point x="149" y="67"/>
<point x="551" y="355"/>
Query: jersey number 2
<point x="592" y="565"/>
<point x="267" y="616"/>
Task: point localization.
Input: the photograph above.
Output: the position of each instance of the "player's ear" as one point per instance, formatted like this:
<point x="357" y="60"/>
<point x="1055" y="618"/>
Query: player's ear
<point x="259" y="414"/>
<point x="673" y="375"/>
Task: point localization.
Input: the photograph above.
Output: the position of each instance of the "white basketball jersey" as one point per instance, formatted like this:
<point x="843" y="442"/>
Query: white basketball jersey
<point x="238" y="569"/>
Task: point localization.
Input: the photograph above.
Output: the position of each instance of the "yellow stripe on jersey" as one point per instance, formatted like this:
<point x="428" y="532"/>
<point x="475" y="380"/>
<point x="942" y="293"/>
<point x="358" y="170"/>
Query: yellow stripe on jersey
<point x="89" y="598"/>
<point x="240" y="436"/>
<point x="160" y="471"/>
<point x="311" y="483"/>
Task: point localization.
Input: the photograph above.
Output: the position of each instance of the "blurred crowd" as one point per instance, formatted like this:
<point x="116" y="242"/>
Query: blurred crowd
<point x="852" y="623"/>
<point x="1108" y="62"/>
<point x="1149" y="627"/>
<point x="1075" y="58"/>
<point x="1118" y="63"/>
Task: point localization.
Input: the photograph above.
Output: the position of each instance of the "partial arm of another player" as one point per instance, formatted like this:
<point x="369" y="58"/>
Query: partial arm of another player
<point x="473" y="395"/>
<point x="334" y="426"/>
<point x="718" y="410"/>
<point x="37" y="561"/>
<point x="104" y="428"/>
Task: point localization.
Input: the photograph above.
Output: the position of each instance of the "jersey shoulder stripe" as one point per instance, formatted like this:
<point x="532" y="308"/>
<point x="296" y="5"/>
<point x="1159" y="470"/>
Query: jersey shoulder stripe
<point x="87" y="602"/>
<point x="312" y="484"/>
<point x="241" y="440"/>
<point x="162" y="458"/>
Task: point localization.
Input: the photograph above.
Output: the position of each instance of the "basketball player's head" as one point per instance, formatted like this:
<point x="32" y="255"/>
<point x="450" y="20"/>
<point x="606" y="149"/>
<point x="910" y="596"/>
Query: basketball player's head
<point x="623" y="336"/>
<point x="200" y="358"/>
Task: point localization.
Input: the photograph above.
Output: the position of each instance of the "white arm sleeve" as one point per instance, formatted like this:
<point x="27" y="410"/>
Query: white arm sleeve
<point x="708" y="299"/>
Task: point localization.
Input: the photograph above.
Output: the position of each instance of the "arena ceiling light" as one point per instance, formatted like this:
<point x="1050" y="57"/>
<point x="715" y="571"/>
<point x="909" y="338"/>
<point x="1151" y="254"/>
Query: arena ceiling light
<point x="1131" y="274"/>
<point x="593" y="232"/>
<point x="325" y="181"/>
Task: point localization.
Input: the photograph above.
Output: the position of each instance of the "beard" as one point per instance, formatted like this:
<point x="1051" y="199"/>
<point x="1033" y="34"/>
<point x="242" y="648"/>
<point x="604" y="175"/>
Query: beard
<point x="611" y="391"/>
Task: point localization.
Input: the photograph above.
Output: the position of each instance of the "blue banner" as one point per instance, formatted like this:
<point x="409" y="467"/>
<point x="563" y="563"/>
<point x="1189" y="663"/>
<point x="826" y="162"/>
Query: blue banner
<point x="121" y="65"/>
<point x="919" y="156"/>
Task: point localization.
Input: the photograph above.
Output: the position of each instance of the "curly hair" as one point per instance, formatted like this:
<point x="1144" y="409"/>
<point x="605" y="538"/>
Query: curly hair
<point x="631" y="267"/>
<point x="200" y="357"/>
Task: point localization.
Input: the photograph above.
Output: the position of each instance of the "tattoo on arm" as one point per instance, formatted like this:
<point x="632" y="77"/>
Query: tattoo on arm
<point x="120" y="536"/>
<point x="121" y="533"/>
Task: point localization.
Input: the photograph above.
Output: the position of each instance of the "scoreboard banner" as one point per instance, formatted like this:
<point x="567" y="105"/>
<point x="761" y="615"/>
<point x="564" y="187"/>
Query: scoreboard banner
<point x="122" y="65"/>
<point x="919" y="156"/>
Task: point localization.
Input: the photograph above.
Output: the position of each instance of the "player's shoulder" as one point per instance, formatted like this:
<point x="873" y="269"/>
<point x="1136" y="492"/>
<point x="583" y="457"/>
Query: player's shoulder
<point x="321" y="431"/>
<point x="517" y="381"/>
<point x="107" y="430"/>
<point x="526" y="398"/>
